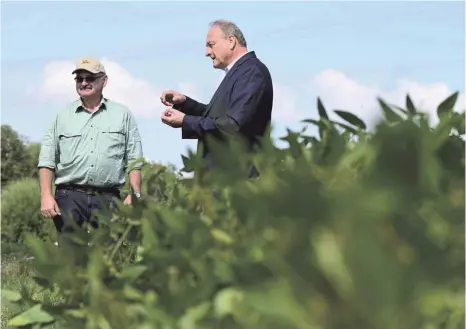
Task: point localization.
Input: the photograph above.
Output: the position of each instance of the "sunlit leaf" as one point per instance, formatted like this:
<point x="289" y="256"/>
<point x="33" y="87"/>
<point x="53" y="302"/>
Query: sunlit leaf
<point x="194" y="314"/>
<point x="221" y="236"/>
<point x="11" y="295"/>
<point x="31" y="316"/>
<point x="132" y="272"/>
<point x="226" y="301"/>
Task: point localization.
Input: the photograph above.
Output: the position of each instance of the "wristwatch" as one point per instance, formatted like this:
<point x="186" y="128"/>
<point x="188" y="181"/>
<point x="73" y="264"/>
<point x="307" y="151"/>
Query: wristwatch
<point x="137" y="194"/>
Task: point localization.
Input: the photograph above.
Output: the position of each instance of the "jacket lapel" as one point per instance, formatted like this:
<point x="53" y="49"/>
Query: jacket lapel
<point x="222" y="85"/>
<point x="217" y="92"/>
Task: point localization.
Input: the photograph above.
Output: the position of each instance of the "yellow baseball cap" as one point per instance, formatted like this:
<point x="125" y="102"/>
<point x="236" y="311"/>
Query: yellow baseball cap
<point x="90" y="64"/>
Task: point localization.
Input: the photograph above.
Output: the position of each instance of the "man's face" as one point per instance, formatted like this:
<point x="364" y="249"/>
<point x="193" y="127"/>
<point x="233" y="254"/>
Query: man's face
<point x="88" y="84"/>
<point x="219" y="48"/>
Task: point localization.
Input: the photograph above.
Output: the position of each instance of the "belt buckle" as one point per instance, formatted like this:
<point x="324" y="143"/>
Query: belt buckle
<point x="92" y="191"/>
<point x="85" y="190"/>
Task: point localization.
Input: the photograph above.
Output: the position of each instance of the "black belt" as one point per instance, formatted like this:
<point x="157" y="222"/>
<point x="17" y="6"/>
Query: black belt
<point x="89" y="189"/>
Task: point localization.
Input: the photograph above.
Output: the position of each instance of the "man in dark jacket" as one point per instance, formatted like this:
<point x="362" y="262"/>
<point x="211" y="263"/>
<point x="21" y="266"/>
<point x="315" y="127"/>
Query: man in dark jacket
<point x="242" y="104"/>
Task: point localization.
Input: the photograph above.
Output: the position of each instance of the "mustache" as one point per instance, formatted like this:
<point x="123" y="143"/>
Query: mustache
<point x="85" y="87"/>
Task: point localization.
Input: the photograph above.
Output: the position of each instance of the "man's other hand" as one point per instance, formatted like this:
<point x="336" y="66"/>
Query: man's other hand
<point x="128" y="200"/>
<point x="172" y="118"/>
<point x="171" y="97"/>
<point x="49" y="207"/>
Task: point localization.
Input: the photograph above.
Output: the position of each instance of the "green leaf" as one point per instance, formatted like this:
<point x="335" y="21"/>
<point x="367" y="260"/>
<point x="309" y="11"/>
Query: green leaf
<point x="293" y="140"/>
<point x="194" y="314"/>
<point x="321" y="109"/>
<point x="442" y="132"/>
<point x="79" y="313"/>
<point x="32" y="316"/>
<point x="11" y="295"/>
<point x="459" y="123"/>
<point x="226" y="300"/>
<point x="132" y="293"/>
<point x="189" y="162"/>
<point x="351" y="118"/>
<point x="315" y="122"/>
<point x="410" y="105"/>
<point x="447" y="105"/>
<point x="310" y="140"/>
<point x="402" y="110"/>
<point x="132" y="272"/>
<point x="331" y="261"/>
<point x="221" y="236"/>
<point x="390" y="115"/>
<point x="348" y="128"/>
<point x="323" y="125"/>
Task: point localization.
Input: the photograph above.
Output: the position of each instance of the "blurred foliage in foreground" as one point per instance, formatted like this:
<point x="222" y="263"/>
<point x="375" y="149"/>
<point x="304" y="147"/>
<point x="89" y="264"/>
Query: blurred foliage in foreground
<point x="350" y="229"/>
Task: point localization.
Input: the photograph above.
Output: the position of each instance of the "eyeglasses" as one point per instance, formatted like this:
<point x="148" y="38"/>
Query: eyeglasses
<point x="89" y="79"/>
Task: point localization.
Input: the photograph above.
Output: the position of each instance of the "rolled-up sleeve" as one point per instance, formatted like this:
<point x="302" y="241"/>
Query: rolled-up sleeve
<point x="48" y="156"/>
<point x="133" y="152"/>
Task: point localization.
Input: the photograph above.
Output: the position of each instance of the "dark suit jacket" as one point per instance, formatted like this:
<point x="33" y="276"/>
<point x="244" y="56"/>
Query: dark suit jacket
<point x="241" y="105"/>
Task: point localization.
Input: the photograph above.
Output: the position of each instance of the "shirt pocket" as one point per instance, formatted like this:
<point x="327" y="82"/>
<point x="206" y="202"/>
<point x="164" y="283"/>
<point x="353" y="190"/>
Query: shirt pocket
<point x="69" y="144"/>
<point x="113" y="141"/>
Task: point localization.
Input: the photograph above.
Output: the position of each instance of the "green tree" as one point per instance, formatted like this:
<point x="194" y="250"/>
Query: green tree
<point x="14" y="155"/>
<point x="32" y="158"/>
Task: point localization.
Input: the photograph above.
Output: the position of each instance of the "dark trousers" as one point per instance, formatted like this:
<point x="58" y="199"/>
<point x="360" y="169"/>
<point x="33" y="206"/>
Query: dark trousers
<point x="79" y="206"/>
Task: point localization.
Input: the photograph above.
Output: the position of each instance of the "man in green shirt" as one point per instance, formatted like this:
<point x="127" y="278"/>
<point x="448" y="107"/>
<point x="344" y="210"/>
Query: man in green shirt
<point x="89" y="146"/>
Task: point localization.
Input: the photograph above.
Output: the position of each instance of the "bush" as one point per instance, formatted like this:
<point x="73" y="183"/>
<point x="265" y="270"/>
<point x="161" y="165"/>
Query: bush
<point x="21" y="214"/>
<point x="353" y="229"/>
<point x="19" y="157"/>
<point x="159" y="182"/>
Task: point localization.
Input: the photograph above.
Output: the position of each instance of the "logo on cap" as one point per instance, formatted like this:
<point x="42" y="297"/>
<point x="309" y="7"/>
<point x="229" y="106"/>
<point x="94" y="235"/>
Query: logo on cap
<point x="84" y="61"/>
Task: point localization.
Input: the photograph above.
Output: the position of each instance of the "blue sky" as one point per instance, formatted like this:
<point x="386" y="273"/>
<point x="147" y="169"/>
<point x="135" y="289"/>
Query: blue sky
<point x="375" y="44"/>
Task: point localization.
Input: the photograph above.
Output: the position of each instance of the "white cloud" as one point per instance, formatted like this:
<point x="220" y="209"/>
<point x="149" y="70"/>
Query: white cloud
<point x="335" y="88"/>
<point x="140" y="96"/>
<point x="338" y="91"/>
<point x="285" y="110"/>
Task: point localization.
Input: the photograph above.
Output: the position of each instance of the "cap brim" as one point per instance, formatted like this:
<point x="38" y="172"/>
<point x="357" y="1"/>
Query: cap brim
<point x="84" y="70"/>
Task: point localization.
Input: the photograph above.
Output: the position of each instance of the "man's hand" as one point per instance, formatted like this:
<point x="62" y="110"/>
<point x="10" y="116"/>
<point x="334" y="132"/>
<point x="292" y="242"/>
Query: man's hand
<point x="49" y="207"/>
<point x="128" y="200"/>
<point x="172" y="118"/>
<point x="171" y="97"/>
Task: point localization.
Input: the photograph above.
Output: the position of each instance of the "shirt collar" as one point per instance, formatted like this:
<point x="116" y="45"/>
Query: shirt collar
<point x="228" y="68"/>
<point x="102" y="105"/>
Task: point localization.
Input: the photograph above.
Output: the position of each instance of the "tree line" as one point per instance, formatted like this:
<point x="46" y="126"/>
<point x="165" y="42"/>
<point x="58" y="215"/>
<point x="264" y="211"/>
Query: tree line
<point x="19" y="156"/>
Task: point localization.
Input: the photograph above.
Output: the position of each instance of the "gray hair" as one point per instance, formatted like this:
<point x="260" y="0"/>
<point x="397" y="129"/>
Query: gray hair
<point x="229" y="28"/>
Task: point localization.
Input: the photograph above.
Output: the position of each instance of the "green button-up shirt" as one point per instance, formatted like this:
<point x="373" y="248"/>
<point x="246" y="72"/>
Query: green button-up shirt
<point x="92" y="148"/>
